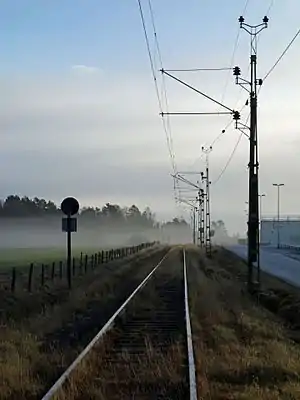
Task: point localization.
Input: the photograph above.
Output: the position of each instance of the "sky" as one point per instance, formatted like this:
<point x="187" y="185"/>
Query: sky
<point x="79" y="114"/>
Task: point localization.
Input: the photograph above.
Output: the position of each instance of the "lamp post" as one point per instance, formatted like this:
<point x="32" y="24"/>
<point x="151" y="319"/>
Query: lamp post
<point x="260" y="211"/>
<point x="260" y="206"/>
<point x="278" y="185"/>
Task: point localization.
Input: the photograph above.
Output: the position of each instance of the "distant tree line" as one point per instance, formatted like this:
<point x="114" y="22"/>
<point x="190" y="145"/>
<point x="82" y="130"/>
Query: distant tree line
<point x="24" y="207"/>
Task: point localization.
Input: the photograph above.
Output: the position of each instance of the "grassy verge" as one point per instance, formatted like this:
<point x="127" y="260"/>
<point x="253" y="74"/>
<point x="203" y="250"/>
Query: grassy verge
<point x="277" y="296"/>
<point x="40" y="339"/>
<point x="242" y="350"/>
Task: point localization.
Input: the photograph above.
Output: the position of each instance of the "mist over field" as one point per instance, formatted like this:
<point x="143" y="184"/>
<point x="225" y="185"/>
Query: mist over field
<point x="47" y="233"/>
<point x="37" y="224"/>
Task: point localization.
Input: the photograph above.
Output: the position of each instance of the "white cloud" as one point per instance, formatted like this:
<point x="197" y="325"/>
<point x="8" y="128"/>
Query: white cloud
<point x="84" y="69"/>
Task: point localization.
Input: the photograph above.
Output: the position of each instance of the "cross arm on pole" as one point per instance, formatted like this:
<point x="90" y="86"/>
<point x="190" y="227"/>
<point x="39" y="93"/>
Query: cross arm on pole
<point x="182" y="179"/>
<point x="186" y="202"/>
<point x="195" y="90"/>
<point x="195" y="113"/>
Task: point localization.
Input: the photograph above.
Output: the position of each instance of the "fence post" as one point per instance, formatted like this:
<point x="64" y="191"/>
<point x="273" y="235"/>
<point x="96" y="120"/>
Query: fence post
<point x="74" y="266"/>
<point x="61" y="269"/>
<point x="30" y="275"/>
<point x="85" y="263"/>
<point x="92" y="261"/>
<point x="13" y="279"/>
<point x="43" y="275"/>
<point x="53" y="271"/>
<point x="81" y="263"/>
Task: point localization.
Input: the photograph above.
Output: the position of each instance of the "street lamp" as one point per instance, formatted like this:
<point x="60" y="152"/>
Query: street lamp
<point x="260" y="205"/>
<point x="247" y="210"/>
<point x="278" y="185"/>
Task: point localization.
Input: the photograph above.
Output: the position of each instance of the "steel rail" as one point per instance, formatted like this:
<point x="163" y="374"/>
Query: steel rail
<point x="191" y="361"/>
<point x="58" y="384"/>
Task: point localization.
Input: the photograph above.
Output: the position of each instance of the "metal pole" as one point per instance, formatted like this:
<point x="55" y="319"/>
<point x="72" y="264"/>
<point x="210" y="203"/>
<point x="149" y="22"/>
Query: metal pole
<point x="260" y="226"/>
<point x="202" y="217"/>
<point x="278" y="216"/>
<point x="253" y="214"/>
<point x="278" y="185"/>
<point x="194" y="225"/>
<point x="69" y="252"/>
<point x="208" y="234"/>
<point x="207" y="150"/>
<point x="260" y="207"/>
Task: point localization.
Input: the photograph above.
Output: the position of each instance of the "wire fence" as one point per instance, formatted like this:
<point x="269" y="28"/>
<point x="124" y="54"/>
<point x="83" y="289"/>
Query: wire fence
<point x="282" y="217"/>
<point x="36" y="276"/>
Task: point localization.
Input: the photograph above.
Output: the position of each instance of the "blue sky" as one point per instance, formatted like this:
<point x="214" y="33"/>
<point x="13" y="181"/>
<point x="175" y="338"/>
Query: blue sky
<point x="51" y="35"/>
<point x="103" y="117"/>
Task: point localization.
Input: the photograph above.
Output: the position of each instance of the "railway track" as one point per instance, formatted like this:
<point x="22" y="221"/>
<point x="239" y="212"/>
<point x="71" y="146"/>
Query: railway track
<point x="147" y="353"/>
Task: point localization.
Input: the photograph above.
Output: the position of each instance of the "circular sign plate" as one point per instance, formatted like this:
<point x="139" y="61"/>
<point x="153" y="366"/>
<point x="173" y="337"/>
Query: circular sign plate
<point x="69" y="206"/>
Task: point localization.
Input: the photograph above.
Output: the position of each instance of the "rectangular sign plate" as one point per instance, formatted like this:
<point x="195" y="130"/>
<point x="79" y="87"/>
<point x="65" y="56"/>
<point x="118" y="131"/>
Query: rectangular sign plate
<point x="69" y="224"/>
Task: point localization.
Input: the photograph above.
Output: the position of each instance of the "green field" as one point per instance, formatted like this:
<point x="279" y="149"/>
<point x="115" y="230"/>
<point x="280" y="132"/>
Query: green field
<point x="18" y="257"/>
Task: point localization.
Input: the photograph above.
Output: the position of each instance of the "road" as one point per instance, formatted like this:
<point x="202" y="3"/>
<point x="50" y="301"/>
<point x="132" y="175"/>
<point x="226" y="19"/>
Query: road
<point x="276" y="262"/>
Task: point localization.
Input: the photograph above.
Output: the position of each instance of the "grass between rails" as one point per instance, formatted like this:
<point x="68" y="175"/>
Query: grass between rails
<point x="41" y="338"/>
<point x="242" y="350"/>
<point x="140" y="358"/>
<point x="153" y="367"/>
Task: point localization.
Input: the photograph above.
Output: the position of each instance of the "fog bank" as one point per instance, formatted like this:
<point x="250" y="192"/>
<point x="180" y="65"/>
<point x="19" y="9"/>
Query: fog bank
<point x="47" y="232"/>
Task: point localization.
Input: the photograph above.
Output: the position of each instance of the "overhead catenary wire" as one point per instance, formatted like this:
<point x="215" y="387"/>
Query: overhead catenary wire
<point x="231" y="156"/>
<point x="164" y="90"/>
<point x="282" y="55"/>
<point x="166" y="121"/>
<point x="152" y="65"/>
<point x="229" y="160"/>
<point x="198" y="69"/>
<point x="233" y="53"/>
<point x="230" y="122"/>
<point x="220" y="135"/>
<point x="270" y="7"/>
<point x="165" y="117"/>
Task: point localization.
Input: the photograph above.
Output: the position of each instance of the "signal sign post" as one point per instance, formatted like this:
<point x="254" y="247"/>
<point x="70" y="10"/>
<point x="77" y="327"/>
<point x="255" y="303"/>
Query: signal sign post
<point x="69" y="207"/>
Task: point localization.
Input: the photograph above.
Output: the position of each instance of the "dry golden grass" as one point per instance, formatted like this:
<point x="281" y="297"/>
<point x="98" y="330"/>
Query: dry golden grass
<point x="242" y="350"/>
<point x="112" y="371"/>
<point x="28" y="366"/>
<point x="124" y="377"/>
